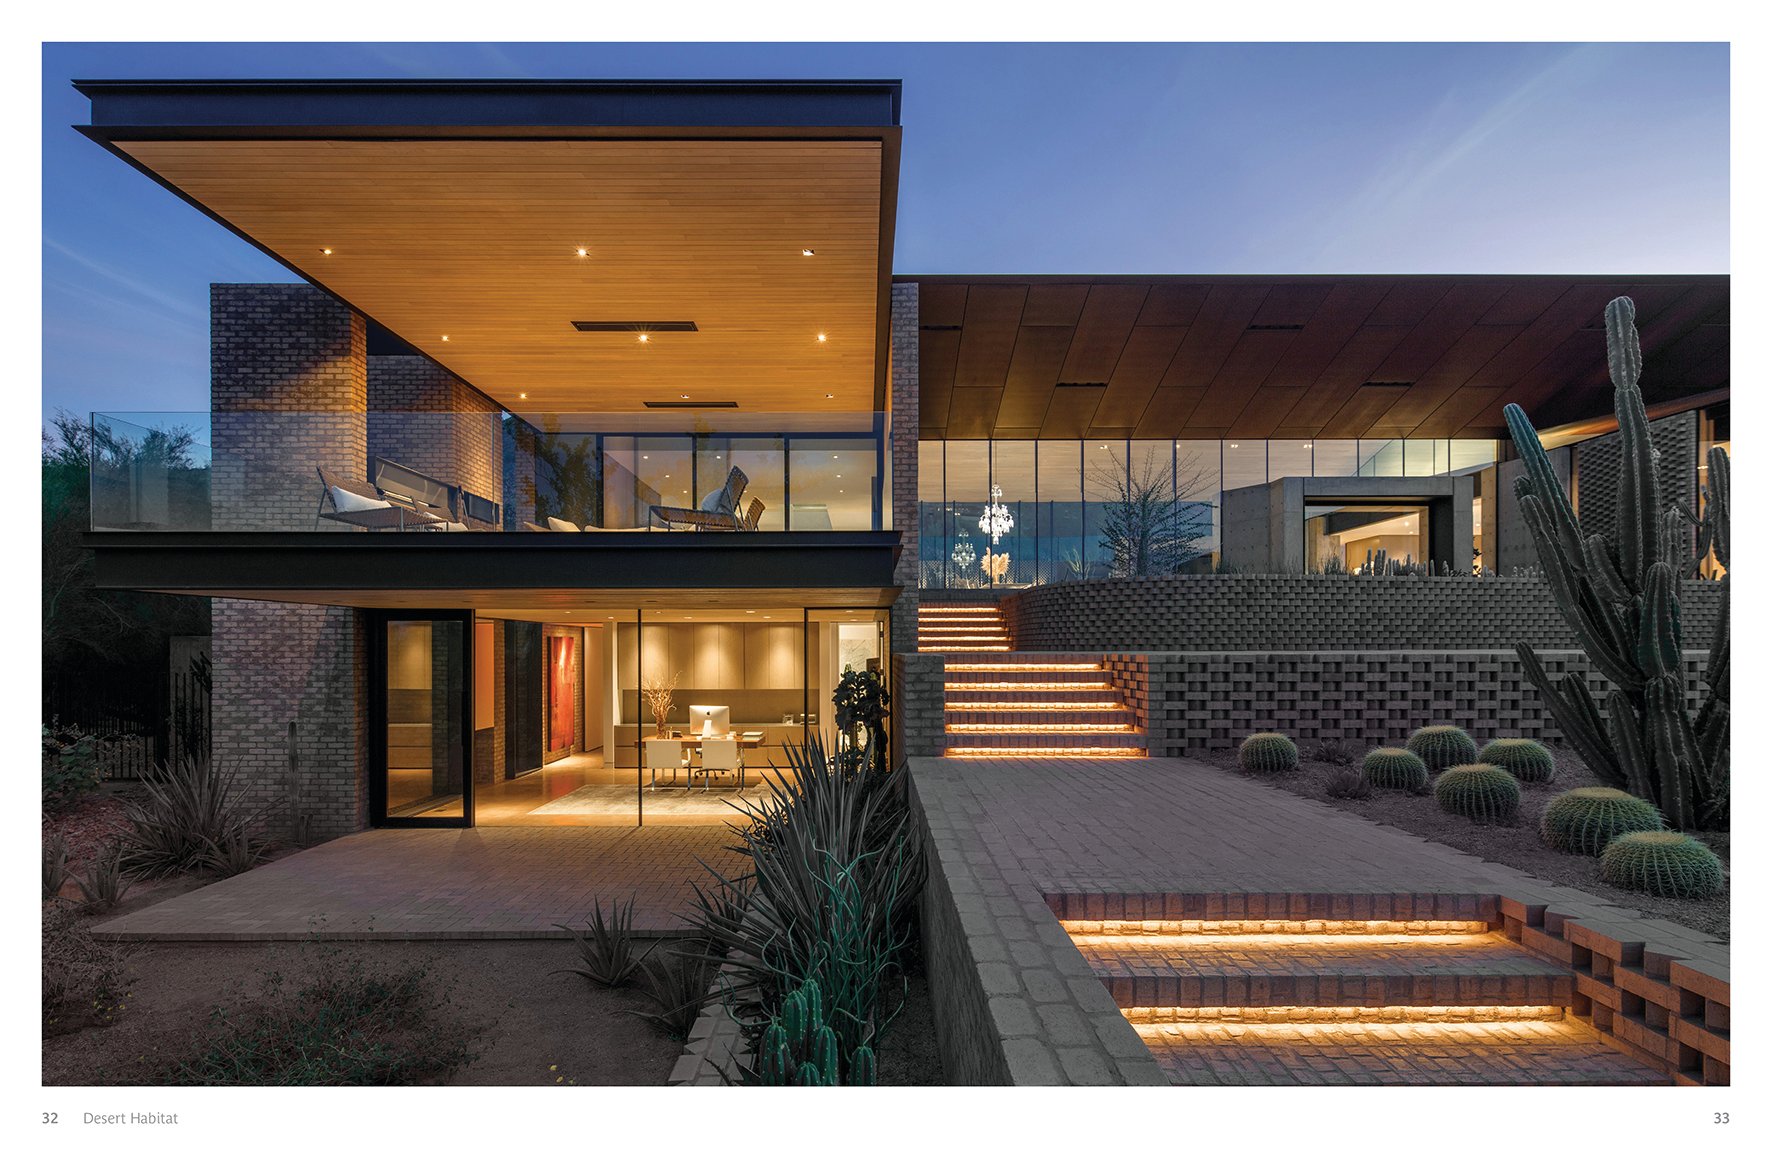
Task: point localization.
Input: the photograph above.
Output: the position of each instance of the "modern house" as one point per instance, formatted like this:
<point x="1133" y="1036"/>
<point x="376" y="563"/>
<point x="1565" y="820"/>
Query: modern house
<point x="600" y="387"/>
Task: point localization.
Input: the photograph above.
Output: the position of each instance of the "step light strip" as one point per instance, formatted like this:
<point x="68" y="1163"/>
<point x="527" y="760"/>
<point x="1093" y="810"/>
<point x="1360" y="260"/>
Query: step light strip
<point x="1152" y="1017"/>
<point x="1115" y="930"/>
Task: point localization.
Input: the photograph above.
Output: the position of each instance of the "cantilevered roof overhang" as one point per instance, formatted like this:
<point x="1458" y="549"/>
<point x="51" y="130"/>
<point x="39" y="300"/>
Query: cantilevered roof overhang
<point x="761" y="211"/>
<point x="1299" y="357"/>
<point x="502" y="570"/>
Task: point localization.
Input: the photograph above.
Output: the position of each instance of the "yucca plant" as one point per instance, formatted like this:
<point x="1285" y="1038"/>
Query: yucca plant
<point x="1619" y="592"/>
<point x="678" y="984"/>
<point x="234" y="853"/>
<point x="608" y="954"/>
<point x="183" y="810"/>
<point x="55" y="865"/>
<point x="103" y="884"/>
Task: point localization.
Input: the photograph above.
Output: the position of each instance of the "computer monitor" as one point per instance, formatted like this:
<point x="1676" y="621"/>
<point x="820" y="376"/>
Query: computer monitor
<point x="700" y="716"/>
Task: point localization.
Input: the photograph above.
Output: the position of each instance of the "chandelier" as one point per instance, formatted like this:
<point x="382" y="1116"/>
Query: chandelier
<point x="964" y="554"/>
<point x="996" y="521"/>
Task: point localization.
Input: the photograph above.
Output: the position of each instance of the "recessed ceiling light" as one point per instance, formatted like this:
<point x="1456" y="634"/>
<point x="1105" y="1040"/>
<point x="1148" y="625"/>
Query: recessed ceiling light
<point x="645" y="337"/>
<point x="805" y="251"/>
<point x="682" y="396"/>
<point x="446" y="337"/>
<point x="830" y="395"/>
<point x="821" y="337"/>
<point x="750" y="611"/>
<point x="522" y="396"/>
<point x="1307" y="446"/>
<point x="1233" y="446"/>
<point x="839" y="475"/>
<point x="325" y="251"/>
<point x="584" y="251"/>
<point x="833" y="456"/>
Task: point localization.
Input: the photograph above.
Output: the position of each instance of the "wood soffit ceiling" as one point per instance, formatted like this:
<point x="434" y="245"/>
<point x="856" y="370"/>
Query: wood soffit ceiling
<point x="1297" y="357"/>
<point x="476" y="240"/>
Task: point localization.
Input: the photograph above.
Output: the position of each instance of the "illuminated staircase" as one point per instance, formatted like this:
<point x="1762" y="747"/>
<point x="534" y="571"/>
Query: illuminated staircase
<point x="1030" y="706"/>
<point x="1327" y="1001"/>
<point x="950" y="628"/>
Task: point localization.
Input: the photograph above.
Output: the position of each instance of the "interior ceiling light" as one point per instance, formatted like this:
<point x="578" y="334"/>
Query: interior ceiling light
<point x="325" y="251"/>
<point x="644" y="338"/>
<point x="805" y="251"/>
<point x="584" y="251"/>
<point x="821" y="337"/>
<point x="522" y="396"/>
<point x="830" y="395"/>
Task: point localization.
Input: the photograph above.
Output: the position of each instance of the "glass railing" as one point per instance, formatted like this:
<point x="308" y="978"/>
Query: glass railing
<point x="423" y="471"/>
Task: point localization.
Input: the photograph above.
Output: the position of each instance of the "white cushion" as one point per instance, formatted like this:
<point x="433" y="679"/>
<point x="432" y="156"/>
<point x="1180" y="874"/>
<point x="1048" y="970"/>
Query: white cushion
<point x="343" y="501"/>
<point x="715" y="501"/>
<point x="454" y="526"/>
<point x="559" y="525"/>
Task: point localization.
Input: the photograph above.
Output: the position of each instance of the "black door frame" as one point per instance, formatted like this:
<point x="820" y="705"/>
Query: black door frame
<point x="377" y="622"/>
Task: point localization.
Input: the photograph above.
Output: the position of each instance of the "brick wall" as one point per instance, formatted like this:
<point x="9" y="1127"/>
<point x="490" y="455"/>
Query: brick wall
<point x="288" y="368"/>
<point x="433" y="422"/>
<point x="1279" y="612"/>
<point x="903" y="453"/>
<point x="919" y="707"/>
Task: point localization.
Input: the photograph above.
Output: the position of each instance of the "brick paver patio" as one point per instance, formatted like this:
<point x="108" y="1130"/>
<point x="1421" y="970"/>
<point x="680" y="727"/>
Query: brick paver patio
<point x="445" y="883"/>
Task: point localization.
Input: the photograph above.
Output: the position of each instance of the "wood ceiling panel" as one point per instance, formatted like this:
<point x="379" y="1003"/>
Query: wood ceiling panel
<point x="987" y="341"/>
<point x="1167" y="412"/>
<point x="1244" y="369"/>
<point x="477" y="240"/>
<point x="1216" y="330"/>
<point x="1102" y="330"/>
<point x="1523" y="302"/>
<point x="1147" y="354"/>
<point x="1326" y="333"/>
<point x="941" y="304"/>
<point x="1172" y="306"/>
<point x="1408" y="301"/>
<point x="1291" y="304"/>
<point x="1071" y="411"/>
<point x="937" y="352"/>
<point x="1359" y="415"/>
<point x="1345" y="373"/>
<point x="1437" y="332"/>
<point x="1469" y="353"/>
<point x="1268" y="413"/>
<point x="1570" y="312"/>
<point x="1033" y="373"/>
<point x="1054" y="304"/>
<point x="972" y="411"/>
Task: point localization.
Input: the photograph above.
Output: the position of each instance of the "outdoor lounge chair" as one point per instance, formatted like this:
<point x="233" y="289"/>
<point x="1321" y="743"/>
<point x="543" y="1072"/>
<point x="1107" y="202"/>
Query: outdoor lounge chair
<point x="363" y="505"/>
<point x="752" y="514"/>
<point x="718" y="511"/>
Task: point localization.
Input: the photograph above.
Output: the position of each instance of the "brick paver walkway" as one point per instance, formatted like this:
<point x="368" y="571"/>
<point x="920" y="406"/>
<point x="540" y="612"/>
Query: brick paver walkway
<point x="1010" y="832"/>
<point x="445" y="883"/>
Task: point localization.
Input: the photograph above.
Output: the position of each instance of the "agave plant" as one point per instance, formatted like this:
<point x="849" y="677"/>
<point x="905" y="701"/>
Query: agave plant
<point x="678" y="984"/>
<point x="55" y="865"/>
<point x="186" y="811"/>
<point x="103" y="884"/>
<point x="836" y="870"/>
<point x="608" y="954"/>
<point x="1620" y="594"/>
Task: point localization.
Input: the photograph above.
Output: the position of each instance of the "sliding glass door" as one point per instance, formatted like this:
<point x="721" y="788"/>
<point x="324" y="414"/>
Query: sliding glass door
<point x="421" y="721"/>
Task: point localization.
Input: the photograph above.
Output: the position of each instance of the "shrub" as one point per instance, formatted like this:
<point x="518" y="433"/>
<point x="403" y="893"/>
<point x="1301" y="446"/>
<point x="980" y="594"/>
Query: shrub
<point x="1526" y="760"/>
<point x="678" y="984"/>
<point x="346" y="1023"/>
<point x="1396" y="768"/>
<point x="1349" y="784"/>
<point x="85" y="979"/>
<point x="235" y="853"/>
<point x="1668" y="865"/>
<point x="186" y="811"/>
<point x="1585" y="820"/>
<point x="103" y="883"/>
<point x="608" y="954"/>
<point x="1339" y="752"/>
<point x="55" y="865"/>
<point x="1481" y="792"/>
<point x="1443" y="746"/>
<point x="1268" y="751"/>
<point x="70" y="766"/>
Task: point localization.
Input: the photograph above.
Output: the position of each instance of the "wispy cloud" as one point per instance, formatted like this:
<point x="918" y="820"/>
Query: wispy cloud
<point x="178" y="306"/>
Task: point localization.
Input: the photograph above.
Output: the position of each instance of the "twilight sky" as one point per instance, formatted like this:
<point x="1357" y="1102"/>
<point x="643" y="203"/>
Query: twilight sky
<point x="1023" y="159"/>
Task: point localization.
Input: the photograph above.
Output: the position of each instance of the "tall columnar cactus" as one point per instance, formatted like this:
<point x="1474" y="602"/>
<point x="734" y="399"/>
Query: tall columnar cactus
<point x="799" y="1047"/>
<point x="1620" y="594"/>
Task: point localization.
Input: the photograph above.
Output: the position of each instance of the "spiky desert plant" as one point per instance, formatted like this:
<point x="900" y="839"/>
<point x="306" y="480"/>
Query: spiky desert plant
<point x="1268" y="751"/>
<point x="55" y="865"/>
<point x="609" y="953"/>
<point x="1620" y="594"/>
<point x="1526" y="760"/>
<point x="1665" y="864"/>
<point x="1481" y="792"/>
<point x="1585" y="820"/>
<point x="1441" y="745"/>
<point x="1398" y="768"/>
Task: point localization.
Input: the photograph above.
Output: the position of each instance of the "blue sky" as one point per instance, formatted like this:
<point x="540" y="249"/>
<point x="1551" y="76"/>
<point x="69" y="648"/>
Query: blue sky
<point x="1021" y="158"/>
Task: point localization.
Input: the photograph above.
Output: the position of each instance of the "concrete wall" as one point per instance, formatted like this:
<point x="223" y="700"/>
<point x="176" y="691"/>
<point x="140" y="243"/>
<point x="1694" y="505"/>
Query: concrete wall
<point x="288" y="369"/>
<point x="903" y="456"/>
<point x="1295" y="612"/>
<point x="1264" y="524"/>
<point x="1514" y="552"/>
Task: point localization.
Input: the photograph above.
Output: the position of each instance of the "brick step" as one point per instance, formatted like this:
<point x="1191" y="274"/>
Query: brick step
<point x="1026" y="741"/>
<point x="1510" y="1052"/>
<point x="1323" y="971"/>
<point x="1025" y="714"/>
<point x="969" y="673"/>
<point x="1045" y="697"/>
<point x="1036" y="753"/>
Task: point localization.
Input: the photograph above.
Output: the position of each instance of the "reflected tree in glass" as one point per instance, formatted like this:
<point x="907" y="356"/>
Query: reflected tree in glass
<point x="1151" y="524"/>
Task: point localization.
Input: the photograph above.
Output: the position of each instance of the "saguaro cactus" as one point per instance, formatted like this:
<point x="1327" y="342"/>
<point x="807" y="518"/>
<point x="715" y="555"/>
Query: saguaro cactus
<point x="1620" y="594"/>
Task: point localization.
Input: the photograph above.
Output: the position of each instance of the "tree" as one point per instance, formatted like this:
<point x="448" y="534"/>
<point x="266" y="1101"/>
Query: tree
<point x="1152" y="523"/>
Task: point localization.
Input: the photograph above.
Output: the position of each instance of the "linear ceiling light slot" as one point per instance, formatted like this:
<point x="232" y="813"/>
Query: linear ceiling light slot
<point x="688" y="405"/>
<point x="635" y="326"/>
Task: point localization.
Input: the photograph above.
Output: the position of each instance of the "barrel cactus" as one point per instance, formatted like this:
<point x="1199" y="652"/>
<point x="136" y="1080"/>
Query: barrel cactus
<point x="1397" y="768"/>
<point x="1482" y="792"/>
<point x="1585" y="820"/>
<point x="1268" y="751"/>
<point x="1442" y="745"/>
<point x="1619" y="592"/>
<point x="1526" y="760"/>
<point x="1668" y="865"/>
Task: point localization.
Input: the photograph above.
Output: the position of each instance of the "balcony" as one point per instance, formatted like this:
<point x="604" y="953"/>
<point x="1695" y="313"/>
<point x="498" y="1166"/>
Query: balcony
<point x="410" y="507"/>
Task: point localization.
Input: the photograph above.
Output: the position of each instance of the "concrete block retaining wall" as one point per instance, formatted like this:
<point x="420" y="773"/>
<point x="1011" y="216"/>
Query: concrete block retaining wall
<point x="1280" y="612"/>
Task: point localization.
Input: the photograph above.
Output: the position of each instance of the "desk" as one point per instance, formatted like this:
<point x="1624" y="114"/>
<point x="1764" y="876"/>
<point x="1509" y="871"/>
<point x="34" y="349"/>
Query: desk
<point x="746" y="740"/>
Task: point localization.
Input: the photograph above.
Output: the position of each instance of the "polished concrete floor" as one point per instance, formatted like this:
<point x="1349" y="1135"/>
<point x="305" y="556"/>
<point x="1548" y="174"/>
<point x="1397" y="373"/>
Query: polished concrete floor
<point x="580" y="791"/>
